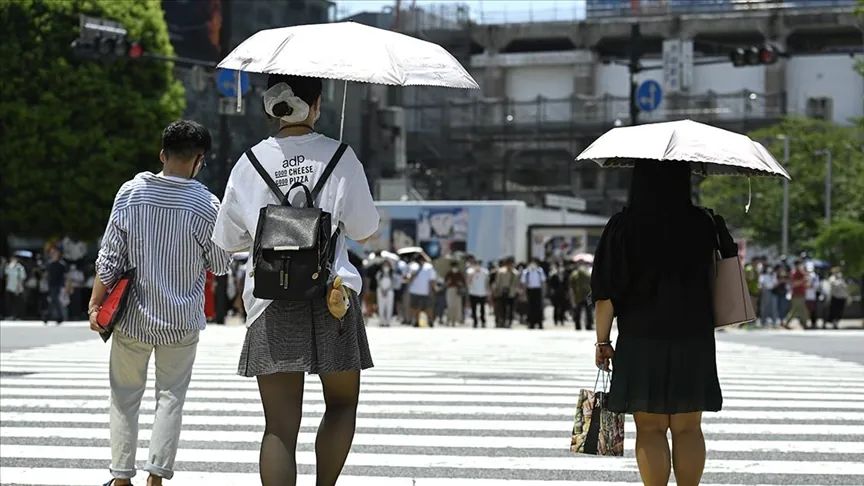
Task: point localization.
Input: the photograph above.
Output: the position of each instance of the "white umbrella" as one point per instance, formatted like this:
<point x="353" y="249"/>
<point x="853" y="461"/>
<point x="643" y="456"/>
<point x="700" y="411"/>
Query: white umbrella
<point x="583" y="257"/>
<point x="711" y="150"/>
<point x="348" y="51"/>
<point x="409" y="250"/>
<point x="388" y="255"/>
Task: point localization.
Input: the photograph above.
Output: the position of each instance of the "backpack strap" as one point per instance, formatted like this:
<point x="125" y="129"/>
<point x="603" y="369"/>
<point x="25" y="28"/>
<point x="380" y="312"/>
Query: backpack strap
<point x="264" y="175"/>
<point x="319" y="185"/>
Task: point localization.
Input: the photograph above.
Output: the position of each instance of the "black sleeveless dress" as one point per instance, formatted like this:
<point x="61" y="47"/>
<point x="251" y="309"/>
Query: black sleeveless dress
<point x="665" y="356"/>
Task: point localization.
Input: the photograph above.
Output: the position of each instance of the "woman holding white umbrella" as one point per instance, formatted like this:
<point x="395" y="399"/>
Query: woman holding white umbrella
<point x="664" y="362"/>
<point x="286" y="339"/>
<point x="665" y="368"/>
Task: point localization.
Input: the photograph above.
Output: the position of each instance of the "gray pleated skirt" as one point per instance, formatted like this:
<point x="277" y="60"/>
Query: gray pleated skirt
<point x="305" y="337"/>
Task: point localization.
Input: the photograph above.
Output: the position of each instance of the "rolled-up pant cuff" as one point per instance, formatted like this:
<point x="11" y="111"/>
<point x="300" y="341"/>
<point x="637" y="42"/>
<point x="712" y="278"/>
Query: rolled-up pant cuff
<point x="123" y="473"/>
<point x="159" y="471"/>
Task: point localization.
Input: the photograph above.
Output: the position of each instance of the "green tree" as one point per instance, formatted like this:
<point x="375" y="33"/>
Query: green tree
<point x="843" y="241"/>
<point x="728" y="195"/>
<point x="74" y="130"/>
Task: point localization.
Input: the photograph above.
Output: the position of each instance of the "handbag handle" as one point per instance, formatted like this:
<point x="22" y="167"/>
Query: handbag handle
<point x="309" y="200"/>
<point x="607" y="379"/>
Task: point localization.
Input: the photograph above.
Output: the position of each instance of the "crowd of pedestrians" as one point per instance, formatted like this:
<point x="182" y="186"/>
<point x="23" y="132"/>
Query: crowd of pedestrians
<point x="804" y="290"/>
<point x="460" y="290"/>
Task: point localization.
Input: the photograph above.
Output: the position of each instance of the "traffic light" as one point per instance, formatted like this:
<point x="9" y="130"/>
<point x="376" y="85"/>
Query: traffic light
<point x="105" y="40"/>
<point x="754" y="56"/>
<point x="108" y="49"/>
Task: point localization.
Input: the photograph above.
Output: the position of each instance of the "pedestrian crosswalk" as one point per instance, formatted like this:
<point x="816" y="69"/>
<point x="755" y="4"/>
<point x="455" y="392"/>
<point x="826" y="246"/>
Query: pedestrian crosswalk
<point x="442" y="407"/>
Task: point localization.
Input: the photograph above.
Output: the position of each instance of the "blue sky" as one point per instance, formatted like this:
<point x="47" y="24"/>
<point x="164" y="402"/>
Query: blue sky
<point x="485" y="11"/>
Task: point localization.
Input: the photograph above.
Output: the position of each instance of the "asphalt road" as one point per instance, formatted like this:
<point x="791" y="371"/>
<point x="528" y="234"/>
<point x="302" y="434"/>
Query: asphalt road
<point x="444" y="407"/>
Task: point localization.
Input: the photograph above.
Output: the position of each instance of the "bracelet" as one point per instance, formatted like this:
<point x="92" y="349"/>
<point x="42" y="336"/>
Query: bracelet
<point x="603" y="343"/>
<point x="91" y="310"/>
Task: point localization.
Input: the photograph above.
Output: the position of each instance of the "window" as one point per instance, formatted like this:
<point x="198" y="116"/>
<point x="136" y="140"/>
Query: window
<point x="820" y="108"/>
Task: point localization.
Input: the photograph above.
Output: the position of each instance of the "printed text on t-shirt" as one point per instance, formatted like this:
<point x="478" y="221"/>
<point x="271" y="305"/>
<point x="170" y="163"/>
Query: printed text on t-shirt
<point x="293" y="170"/>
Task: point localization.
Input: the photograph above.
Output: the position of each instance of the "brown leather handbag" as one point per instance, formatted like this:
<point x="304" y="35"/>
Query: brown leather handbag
<point x="732" y="303"/>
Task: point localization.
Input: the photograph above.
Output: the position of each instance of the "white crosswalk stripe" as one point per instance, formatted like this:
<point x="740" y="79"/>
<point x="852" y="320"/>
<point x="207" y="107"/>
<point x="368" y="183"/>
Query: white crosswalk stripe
<point x="442" y="407"/>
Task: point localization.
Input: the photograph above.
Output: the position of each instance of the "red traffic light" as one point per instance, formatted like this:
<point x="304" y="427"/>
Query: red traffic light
<point x="135" y="50"/>
<point x="767" y="55"/>
<point x="753" y="56"/>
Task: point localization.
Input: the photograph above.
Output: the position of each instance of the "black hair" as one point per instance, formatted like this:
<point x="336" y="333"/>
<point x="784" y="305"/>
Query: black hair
<point x="306" y="88"/>
<point x="659" y="187"/>
<point x="185" y="138"/>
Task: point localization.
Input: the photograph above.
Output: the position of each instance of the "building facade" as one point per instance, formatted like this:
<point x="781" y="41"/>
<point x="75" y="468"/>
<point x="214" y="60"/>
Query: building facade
<point x="202" y="33"/>
<point x="549" y="89"/>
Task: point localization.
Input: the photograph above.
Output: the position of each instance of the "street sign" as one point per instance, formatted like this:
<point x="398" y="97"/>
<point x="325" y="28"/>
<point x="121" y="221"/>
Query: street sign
<point x="672" y="65"/>
<point x="677" y="65"/>
<point x="649" y="95"/>
<point x="226" y="82"/>
<point x="565" y="202"/>
<point x="686" y="64"/>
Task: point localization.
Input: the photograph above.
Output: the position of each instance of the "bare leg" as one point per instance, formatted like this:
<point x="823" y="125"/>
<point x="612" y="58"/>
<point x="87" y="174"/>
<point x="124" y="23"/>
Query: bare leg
<point x="688" y="447"/>
<point x="282" y="398"/>
<point x="336" y="432"/>
<point x="652" y="448"/>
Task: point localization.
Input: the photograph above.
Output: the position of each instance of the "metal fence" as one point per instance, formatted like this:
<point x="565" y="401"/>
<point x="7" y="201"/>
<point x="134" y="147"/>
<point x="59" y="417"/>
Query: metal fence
<point x="576" y="11"/>
<point x="583" y="110"/>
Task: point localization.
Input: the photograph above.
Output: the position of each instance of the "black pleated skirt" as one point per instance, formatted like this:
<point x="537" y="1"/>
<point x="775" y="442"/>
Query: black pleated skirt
<point x="665" y="376"/>
<point x="305" y="337"/>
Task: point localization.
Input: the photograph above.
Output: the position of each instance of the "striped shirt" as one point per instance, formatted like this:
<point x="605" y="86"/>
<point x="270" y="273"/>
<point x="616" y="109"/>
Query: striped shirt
<point x="161" y="226"/>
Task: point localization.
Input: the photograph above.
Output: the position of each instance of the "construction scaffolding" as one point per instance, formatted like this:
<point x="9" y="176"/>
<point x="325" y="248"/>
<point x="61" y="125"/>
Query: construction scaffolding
<point x="505" y="149"/>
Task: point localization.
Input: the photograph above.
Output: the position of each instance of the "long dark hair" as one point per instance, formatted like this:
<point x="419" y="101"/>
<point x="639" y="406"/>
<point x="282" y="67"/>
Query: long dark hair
<point x="660" y="188"/>
<point x="661" y="229"/>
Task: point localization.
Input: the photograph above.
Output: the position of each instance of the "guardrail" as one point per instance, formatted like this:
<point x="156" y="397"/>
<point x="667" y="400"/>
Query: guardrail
<point x="582" y="110"/>
<point x="623" y="9"/>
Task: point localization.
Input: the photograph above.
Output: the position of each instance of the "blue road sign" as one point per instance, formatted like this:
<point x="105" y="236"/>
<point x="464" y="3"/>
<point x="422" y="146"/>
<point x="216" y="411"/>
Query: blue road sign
<point x="649" y="95"/>
<point x="226" y="81"/>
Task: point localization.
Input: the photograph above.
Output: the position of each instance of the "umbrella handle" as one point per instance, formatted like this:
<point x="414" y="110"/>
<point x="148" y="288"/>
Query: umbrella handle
<point x="342" y="118"/>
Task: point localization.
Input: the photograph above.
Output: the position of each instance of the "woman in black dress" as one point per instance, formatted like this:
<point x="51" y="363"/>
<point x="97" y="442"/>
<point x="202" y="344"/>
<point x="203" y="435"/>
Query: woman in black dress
<point x="653" y="270"/>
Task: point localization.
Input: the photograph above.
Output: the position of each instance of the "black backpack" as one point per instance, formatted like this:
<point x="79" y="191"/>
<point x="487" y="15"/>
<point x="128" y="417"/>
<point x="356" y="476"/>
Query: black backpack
<point x="293" y="253"/>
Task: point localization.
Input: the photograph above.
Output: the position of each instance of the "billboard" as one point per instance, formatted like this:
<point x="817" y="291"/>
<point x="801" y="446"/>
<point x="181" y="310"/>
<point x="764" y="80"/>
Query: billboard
<point x="485" y="230"/>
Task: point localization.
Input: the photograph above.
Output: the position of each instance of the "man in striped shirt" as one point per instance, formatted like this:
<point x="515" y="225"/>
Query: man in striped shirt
<point x="160" y="225"/>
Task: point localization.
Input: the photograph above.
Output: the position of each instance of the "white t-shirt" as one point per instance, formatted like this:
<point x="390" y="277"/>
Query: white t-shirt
<point x="422" y="283"/>
<point x="385" y="282"/>
<point x="302" y="158"/>
<point x="767" y="281"/>
<point x="533" y="277"/>
<point x="811" y="288"/>
<point x="478" y="279"/>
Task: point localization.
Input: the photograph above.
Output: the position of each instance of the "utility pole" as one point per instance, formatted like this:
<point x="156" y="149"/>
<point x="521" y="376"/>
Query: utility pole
<point x="634" y="67"/>
<point x="220" y="176"/>
<point x="222" y="165"/>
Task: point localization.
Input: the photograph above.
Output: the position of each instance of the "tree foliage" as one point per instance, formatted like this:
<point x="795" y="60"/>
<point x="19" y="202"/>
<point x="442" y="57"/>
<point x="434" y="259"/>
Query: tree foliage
<point x="72" y="131"/>
<point x="728" y="195"/>
<point x="843" y="242"/>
